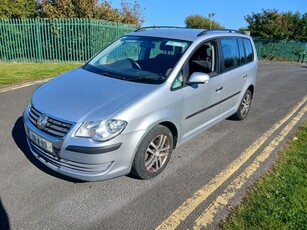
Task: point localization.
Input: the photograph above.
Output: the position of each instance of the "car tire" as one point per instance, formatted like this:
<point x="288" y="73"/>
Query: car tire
<point x="244" y="106"/>
<point x="153" y="153"/>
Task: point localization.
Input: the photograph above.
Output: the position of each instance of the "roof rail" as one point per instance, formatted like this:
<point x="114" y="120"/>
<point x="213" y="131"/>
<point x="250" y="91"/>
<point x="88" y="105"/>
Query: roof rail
<point x="220" y="30"/>
<point x="158" y="27"/>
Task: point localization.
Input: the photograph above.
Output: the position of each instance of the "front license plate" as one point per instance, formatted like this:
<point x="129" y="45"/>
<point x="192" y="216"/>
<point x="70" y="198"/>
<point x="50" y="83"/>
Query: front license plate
<point x="46" y="145"/>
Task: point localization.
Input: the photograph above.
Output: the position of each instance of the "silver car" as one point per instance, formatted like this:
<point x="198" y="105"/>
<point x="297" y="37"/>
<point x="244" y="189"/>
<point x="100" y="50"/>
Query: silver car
<point x="150" y="91"/>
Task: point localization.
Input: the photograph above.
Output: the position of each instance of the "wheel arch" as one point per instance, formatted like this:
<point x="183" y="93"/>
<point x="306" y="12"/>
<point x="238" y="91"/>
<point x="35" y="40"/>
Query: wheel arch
<point x="172" y="127"/>
<point x="252" y="89"/>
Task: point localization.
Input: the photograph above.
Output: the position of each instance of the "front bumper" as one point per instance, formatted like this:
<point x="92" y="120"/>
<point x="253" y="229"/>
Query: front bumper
<point x="83" y="158"/>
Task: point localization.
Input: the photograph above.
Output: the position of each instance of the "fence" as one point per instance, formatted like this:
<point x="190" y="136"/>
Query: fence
<point x="281" y="50"/>
<point x="56" y="40"/>
<point x="76" y="40"/>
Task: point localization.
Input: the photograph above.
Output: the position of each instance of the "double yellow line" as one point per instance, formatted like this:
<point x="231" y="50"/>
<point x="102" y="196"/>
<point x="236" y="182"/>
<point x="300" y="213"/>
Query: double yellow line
<point x="207" y="217"/>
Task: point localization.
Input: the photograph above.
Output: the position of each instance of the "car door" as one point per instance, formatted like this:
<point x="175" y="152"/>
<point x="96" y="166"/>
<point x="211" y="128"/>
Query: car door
<point x="201" y="102"/>
<point x="234" y="74"/>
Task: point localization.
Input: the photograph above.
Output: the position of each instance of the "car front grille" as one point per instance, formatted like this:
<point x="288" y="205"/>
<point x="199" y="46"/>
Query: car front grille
<point x="53" y="126"/>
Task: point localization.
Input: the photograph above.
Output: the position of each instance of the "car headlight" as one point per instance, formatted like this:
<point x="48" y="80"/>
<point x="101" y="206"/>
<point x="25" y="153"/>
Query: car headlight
<point x="101" y="130"/>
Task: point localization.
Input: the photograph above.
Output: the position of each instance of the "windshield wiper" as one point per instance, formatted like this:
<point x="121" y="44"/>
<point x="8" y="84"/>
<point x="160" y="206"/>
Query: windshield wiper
<point x="112" y="76"/>
<point x="145" y="78"/>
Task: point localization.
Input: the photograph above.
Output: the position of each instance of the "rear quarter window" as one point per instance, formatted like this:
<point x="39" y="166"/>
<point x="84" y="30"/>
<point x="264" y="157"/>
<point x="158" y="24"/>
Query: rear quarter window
<point x="248" y="50"/>
<point x="242" y="51"/>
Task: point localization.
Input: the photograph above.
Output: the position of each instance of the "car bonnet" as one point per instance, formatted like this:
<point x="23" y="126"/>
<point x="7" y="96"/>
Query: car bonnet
<point x="79" y="95"/>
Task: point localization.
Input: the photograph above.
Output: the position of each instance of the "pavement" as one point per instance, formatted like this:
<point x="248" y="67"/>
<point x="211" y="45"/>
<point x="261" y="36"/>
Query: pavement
<point x="204" y="180"/>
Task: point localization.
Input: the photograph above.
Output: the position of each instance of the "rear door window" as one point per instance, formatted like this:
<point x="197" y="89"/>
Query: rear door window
<point x="230" y="53"/>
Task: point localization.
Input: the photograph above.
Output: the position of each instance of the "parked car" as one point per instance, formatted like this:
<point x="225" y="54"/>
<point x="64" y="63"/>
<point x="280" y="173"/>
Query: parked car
<point x="150" y="91"/>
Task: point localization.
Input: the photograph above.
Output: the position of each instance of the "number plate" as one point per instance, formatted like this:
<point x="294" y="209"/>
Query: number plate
<point x="46" y="145"/>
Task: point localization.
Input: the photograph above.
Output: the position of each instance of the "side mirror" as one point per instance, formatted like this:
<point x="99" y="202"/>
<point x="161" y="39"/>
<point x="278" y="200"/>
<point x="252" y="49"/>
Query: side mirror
<point x="198" y="78"/>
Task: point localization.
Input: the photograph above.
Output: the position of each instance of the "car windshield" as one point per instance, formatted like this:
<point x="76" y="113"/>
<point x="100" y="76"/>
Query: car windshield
<point x="141" y="59"/>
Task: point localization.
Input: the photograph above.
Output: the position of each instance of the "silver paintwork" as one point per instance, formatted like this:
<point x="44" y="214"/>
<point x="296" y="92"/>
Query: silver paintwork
<point x="78" y="96"/>
<point x="199" y="78"/>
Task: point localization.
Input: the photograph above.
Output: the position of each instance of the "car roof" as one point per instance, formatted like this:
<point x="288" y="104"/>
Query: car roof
<point x="186" y="34"/>
<point x="181" y="34"/>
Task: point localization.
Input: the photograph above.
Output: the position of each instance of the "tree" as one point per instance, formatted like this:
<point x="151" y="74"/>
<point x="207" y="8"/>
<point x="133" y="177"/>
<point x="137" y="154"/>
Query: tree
<point x="57" y="9"/>
<point x="132" y="14"/>
<point x="200" y="22"/>
<point x="97" y="9"/>
<point x="272" y="24"/>
<point x="84" y="8"/>
<point x="18" y="9"/>
<point x="129" y="13"/>
<point x="300" y="30"/>
<point x="106" y="12"/>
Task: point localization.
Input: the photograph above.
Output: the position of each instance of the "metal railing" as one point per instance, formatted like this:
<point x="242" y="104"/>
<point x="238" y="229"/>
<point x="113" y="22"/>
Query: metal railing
<point x="280" y="50"/>
<point x="76" y="40"/>
<point x="56" y="40"/>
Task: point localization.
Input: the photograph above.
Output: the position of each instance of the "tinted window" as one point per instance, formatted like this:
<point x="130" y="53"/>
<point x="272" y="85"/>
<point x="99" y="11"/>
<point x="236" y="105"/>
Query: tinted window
<point x="241" y="50"/>
<point x="248" y="50"/>
<point x="231" y="53"/>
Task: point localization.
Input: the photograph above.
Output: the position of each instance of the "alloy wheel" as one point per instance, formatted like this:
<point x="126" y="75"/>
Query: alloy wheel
<point x="157" y="153"/>
<point x="246" y="102"/>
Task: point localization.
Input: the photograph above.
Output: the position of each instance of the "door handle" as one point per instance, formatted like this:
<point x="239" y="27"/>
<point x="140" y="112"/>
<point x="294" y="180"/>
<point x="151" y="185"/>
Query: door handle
<point x="245" y="76"/>
<point x="219" y="89"/>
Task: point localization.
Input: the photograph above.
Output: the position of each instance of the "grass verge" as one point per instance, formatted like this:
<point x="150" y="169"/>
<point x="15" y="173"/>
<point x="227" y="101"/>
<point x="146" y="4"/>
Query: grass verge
<point x="279" y="199"/>
<point x="17" y="72"/>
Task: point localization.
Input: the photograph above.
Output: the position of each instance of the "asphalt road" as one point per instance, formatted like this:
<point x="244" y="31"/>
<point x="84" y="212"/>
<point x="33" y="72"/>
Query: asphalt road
<point x="33" y="197"/>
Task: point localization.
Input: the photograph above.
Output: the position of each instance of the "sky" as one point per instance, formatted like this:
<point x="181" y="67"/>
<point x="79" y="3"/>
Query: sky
<point x="229" y="13"/>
